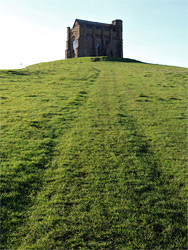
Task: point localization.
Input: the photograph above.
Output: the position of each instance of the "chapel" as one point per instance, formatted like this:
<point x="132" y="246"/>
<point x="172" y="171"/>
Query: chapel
<point x="88" y="38"/>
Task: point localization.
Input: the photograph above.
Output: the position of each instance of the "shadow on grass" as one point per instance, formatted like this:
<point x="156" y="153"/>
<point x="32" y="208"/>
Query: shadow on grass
<point x="114" y="59"/>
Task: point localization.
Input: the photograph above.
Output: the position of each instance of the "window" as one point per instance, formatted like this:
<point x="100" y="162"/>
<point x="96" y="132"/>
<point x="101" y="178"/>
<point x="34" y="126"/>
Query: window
<point x="114" y="23"/>
<point x="74" y="46"/>
<point x="97" y="46"/>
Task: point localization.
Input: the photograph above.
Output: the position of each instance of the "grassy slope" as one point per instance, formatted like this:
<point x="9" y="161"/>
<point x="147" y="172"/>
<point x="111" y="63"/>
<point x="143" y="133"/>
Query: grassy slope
<point x="93" y="156"/>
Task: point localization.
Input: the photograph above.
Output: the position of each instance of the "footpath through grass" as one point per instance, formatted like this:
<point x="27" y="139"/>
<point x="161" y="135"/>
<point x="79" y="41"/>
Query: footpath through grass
<point x="93" y="156"/>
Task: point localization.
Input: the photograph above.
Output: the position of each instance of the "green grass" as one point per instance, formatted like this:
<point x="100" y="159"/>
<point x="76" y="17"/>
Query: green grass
<point x="93" y="156"/>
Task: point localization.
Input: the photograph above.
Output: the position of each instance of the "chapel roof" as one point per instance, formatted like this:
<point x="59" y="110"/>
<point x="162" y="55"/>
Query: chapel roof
<point x="90" y="24"/>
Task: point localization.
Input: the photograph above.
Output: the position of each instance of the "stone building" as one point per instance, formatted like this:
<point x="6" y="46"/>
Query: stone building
<point x="94" y="39"/>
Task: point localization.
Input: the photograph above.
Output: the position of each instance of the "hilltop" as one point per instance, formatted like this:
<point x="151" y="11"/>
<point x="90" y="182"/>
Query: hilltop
<point x="93" y="155"/>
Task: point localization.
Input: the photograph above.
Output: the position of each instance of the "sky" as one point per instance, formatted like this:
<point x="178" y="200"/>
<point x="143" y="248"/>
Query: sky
<point x="34" y="31"/>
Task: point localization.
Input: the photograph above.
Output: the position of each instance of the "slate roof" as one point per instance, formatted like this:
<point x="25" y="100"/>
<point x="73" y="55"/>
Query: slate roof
<point x="90" y="24"/>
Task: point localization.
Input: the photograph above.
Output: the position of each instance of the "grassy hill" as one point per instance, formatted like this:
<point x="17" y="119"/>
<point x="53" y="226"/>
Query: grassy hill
<point x="93" y="156"/>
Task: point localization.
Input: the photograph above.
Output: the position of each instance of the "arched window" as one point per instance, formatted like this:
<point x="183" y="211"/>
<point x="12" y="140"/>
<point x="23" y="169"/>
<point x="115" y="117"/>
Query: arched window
<point x="74" y="46"/>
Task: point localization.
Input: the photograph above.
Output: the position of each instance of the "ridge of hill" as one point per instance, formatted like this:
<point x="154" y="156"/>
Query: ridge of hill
<point x="93" y="155"/>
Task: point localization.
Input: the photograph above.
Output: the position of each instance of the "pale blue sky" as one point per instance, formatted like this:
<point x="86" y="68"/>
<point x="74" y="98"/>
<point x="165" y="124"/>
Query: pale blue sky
<point x="34" y="31"/>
